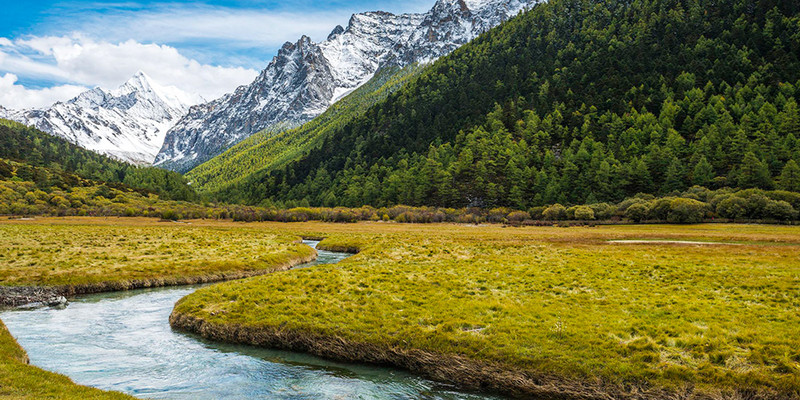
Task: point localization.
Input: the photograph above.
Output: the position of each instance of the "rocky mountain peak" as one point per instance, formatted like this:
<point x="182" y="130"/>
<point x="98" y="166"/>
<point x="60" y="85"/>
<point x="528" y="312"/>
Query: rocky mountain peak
<point x="305" y="78"/>
<point x="335" y="32"/>
<point x="128" y="123"/>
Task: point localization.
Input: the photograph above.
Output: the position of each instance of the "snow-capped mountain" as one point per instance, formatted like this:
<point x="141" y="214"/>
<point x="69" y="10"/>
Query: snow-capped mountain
<point x="128" y="123"/>
<point x="305" y="78"/>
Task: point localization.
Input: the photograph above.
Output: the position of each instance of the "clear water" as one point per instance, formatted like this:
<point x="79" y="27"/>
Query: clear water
<point x="122" y="341"/>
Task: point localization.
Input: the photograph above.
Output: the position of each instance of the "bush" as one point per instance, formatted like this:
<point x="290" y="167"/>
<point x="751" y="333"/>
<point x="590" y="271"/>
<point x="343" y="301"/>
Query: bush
<point x="517" y="217"/>
<point x="537" y="212"/>
<point x="659" y="209"/>
<point x="637" y="212"/>
<point x="733" y="207"/>
<point x="603" y="211"/>
<point x="584" y="213"/>
<point x="497" y="215"/>
<point x="556" y="212"/>
<point x="686" y="211"/>
<point x="780" y="210"/>
<point x="170" y="215"/>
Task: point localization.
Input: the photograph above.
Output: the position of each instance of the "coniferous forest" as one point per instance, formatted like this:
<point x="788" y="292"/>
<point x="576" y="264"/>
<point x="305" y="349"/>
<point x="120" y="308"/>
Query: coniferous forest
<point x="575" y="102"/>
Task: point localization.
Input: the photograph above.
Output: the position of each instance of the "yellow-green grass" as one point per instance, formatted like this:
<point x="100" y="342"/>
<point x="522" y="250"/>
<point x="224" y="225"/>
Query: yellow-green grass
<point x="18" y="380"/>
<point x="117" y="252"/>
<point x="546" y="311"/>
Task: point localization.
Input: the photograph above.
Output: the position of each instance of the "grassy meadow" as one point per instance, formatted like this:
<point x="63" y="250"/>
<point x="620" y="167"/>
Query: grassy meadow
<point x="565" y="307"/>
<point x="86" y="251"/>
<point x="558" y="311"/>
<point x="89" y="251"/>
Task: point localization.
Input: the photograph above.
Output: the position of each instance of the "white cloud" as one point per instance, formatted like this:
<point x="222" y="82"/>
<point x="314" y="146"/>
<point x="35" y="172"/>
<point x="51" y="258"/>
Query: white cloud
<point x="19" y="97"/>
<point x="77" y="60"/>
<point x="238" y="27"/>
<point x="104" y="46"/>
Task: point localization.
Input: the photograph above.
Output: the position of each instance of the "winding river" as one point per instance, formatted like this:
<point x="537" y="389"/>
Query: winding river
<point x="122" y="341"/>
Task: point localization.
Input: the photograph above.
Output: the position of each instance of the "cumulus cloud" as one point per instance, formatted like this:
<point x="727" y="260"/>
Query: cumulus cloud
<point x="78" y="61"/>
<point x="20" y="97"/>
<point x="199" y="48"/>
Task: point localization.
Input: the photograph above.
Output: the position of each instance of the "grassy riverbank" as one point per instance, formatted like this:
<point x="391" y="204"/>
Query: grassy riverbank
<point x="79" y="255"/>
<point x="548" y="311"/>
<point x="19" y="381"/>
<point x="123" y="253"/>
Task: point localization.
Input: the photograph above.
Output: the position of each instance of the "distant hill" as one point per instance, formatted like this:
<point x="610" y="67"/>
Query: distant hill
<point x="575" y="101"/>
<point x="34" y="151"/>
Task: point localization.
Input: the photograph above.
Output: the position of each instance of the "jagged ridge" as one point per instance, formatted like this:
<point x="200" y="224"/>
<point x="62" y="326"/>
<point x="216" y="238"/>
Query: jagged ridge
<point x="305" y="78"/>
<point x="128" y="123"/>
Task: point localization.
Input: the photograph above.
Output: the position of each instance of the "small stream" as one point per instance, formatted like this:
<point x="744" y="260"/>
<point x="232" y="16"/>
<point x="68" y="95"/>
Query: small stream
<point x="122" y="341"/>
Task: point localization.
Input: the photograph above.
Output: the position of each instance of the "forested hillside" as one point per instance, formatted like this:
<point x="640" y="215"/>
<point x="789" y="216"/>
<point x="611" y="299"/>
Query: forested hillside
<point x="575" y="101"/>
<point x="268" y="150"/>
<point x="50" y="161"/>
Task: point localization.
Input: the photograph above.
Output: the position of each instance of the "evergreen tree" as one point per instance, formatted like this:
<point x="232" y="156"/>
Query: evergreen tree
<point x="674" y="180"/>
<point x="790" y="177"/>
<point x="753" y="173"/>
<point x="703" y="172"/>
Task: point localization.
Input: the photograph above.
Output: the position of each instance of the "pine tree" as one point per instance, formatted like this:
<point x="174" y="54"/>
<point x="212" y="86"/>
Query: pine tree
<point x="754" y="173"/>
<point x="790" y="177"/>
<point x="703" y="172"/>
<point x="674" y="179"/>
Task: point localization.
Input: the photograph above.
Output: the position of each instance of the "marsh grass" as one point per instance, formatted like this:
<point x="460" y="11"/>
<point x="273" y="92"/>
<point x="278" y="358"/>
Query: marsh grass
<point x="552" y="302"/>
<point x="41" y="254"/>
<point x="89" y="251"/>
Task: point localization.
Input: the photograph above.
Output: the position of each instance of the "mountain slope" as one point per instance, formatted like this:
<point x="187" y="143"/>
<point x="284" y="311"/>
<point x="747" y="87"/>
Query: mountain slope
<point x="128" y="123"/>
<point x="575" y="101"/>
<point x="267" y="150"/>
<point x="37" y="151"/>
<point x="305" y="78"/>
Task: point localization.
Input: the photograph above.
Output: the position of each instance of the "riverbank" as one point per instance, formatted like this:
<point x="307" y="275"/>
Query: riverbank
<point x="546" y="312"/>
<point x="48" y="260"/>
<point x="45" y="261"/>
<point x="466" y="373"/>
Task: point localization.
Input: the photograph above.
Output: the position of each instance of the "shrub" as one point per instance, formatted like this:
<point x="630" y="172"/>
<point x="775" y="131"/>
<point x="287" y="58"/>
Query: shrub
<point x="497" y="215"/>
<point x="780" y="210"/>
<point x="603" y="211"/>
<point x="518" y="216"/>
<point x="659" y="209"/>
<point x="686" y="211"/>
<point x="733" y="207"/>
<point x="637" y="212"/>
<point x="169" y="214"/>
<point x="556" y="212"/>
<point x="537" y="212"/>
<point x="584" y="213"/>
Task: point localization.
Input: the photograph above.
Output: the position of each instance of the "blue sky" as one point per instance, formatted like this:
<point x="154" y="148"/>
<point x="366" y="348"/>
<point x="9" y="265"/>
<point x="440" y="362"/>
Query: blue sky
<point x="51" y="50"/>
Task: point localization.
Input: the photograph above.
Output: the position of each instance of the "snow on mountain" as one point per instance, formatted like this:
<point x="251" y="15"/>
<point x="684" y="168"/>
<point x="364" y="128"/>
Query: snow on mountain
<point x="305" y="78"/>
<point x="128" y="123"/>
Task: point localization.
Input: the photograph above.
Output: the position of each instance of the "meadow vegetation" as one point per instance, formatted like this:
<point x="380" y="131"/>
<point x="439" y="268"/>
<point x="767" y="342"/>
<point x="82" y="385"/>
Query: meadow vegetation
<point x="85" y="253"/>
<point x="531" y="310"/>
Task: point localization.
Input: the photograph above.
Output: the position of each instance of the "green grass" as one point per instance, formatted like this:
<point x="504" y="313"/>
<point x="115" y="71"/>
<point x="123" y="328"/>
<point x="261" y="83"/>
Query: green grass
<point x="552" y="302"/>
<point x="84" y="252"/>
<point x="79" y="251"/>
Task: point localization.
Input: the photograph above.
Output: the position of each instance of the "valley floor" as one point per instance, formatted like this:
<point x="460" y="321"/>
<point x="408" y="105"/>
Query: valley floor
<point x="676" y="312"/>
